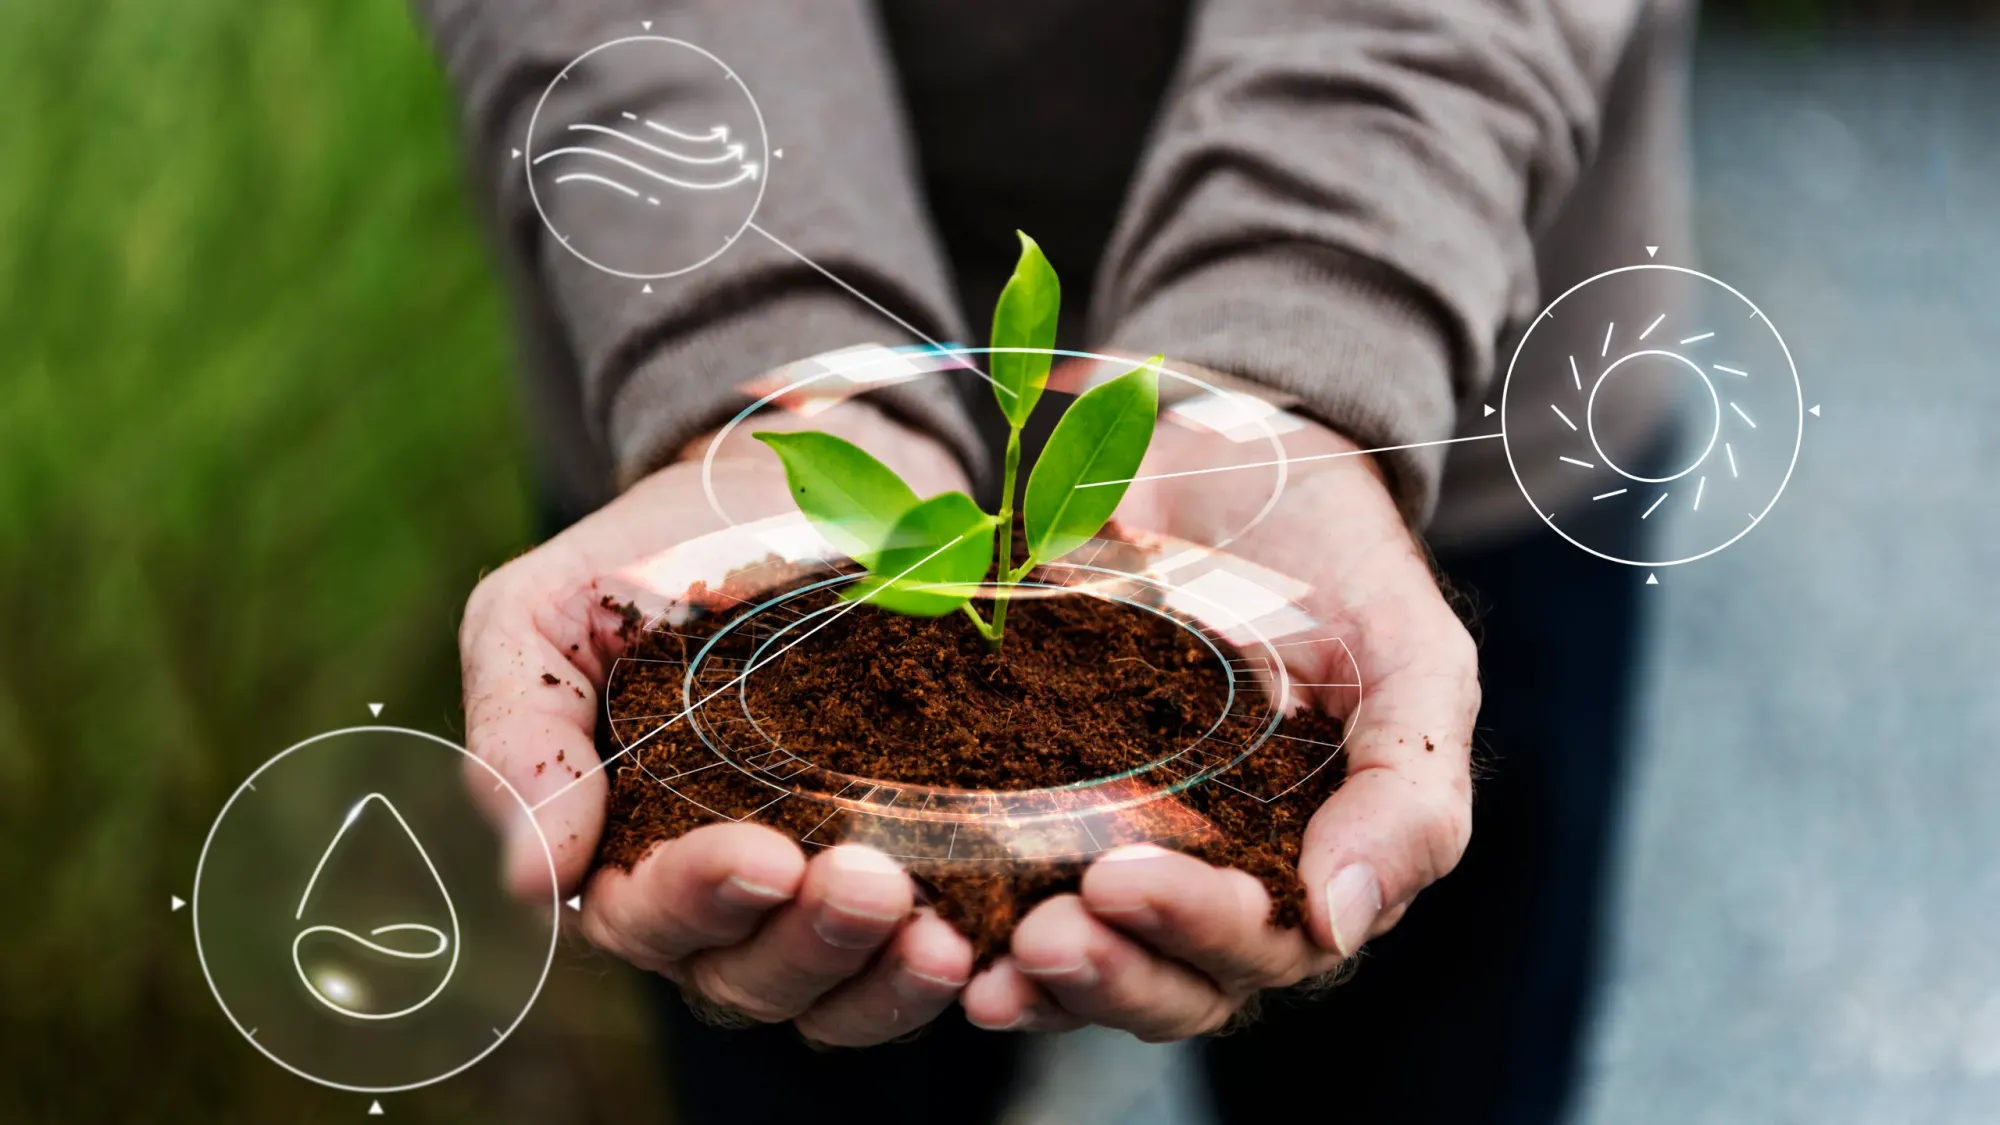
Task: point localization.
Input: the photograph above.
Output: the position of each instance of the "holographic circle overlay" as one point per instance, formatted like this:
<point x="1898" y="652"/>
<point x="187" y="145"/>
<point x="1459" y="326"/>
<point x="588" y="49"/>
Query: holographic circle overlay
<point x="732" y="762"/>
<point x="1238" y="430"/>
<point x="637" y="185"/>
<point x="349" y="916"/>
<point x="1600" y="371"/>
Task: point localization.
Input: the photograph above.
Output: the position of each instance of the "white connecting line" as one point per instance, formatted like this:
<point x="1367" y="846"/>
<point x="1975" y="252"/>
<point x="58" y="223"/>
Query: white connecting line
<point x="743" y="675"/>
<point x="876" y="305"/>
<point x="1287" y="461"/>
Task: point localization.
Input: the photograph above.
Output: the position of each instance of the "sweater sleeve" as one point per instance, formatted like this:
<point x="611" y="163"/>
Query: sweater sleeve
<point x="656" y="369"/>
<point x="1341" y="199"/>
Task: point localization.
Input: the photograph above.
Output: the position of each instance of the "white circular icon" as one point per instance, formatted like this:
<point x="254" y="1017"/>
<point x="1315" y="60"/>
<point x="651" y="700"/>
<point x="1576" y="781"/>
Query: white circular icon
<point x="1599" y="369"/>
<point x="635" y="187"/>
<point x="349" y="914"/>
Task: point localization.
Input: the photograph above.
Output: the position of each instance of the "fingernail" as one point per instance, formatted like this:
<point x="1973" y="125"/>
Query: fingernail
<point x="1083" y="974"/>
<point x="1138" y="915"/>
<point x="738" y="893"/>
<point x="913" y="985"/>
<point x="848" y="925"/>
<point x="1353" y="899"/>
<point x="1010" y="1025"/>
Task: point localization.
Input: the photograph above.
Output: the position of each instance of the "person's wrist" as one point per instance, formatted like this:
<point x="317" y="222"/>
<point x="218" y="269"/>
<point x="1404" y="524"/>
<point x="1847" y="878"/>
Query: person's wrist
<point x="1318" y="439"/>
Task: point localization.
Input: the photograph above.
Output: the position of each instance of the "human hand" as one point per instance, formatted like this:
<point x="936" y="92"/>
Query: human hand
<point x="1165" y="946"/>
<point x="734" y="913"/>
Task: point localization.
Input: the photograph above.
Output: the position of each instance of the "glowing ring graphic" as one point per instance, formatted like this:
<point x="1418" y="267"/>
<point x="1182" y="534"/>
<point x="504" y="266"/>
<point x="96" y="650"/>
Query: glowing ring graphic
<point x="1281" y="465"/>
<point x="1023" y="591"/>
<point x="500" y="1033"/>
<point x="763" y="137"/>
<point x="1020" y="824"/>
<point x="1780" y="353"/>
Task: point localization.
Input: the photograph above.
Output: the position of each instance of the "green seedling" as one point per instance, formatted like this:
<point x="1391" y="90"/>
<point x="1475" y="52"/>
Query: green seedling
<point x="929" y="557"/>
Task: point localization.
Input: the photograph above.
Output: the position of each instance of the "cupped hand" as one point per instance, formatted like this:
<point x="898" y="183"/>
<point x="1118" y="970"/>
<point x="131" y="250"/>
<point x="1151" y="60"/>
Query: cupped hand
<point x="735" y="913"/>
<point x="1165" y="946"/>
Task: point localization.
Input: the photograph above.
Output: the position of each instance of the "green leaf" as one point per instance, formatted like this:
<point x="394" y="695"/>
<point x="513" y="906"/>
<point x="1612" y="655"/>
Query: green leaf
<point x="944" y="540"/>
<point x="1101" y="437"/>
<point x="853" y="499"/>
<point x="1025" y="317"/>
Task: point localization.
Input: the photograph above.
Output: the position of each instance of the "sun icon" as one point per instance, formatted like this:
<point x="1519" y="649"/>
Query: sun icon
<point x="1604" y="363"/>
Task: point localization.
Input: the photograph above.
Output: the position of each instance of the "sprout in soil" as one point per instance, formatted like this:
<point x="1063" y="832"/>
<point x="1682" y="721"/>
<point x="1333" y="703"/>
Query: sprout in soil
<point x="928" y="557"/>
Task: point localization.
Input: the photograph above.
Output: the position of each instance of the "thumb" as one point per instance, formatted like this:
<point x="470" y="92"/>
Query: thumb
<point x="530" y="710"/>
<point x="1403" y="816"/>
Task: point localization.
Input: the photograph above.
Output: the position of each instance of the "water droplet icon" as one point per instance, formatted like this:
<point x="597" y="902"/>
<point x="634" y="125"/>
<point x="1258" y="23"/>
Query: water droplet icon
<point x="350" y="972"/>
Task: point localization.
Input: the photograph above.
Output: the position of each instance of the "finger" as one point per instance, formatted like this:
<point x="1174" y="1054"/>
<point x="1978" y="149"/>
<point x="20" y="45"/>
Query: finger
<point x="706" y="889"/>
<point x="1214" y="920"/>
<point x="1095" y="973"/>
<point x="999" y="998"/>
<point x="1403" y="817"/>
<point x="853" y="898"/>
<point x="913" y="983"/>
<point x="530" y="708"/>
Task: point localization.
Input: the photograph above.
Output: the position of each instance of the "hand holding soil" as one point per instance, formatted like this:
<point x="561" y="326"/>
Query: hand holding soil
<point x="1164" y="945"/>
<point x="733" y="912"/>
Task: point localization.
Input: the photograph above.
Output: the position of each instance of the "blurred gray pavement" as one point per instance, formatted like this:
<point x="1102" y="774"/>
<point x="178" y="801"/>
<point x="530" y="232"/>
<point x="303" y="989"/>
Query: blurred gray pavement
<point x="1809" y="926"/>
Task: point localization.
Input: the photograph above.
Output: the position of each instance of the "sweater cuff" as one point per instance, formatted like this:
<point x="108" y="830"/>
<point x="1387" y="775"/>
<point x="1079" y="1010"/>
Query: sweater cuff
<point x="1361" y="350"/>
<point x="695" y="382"/>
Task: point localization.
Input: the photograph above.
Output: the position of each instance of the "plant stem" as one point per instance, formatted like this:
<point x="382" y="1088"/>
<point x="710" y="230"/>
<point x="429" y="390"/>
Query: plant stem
<point x="1003" y="569"/>
<point x="980" y="624"/>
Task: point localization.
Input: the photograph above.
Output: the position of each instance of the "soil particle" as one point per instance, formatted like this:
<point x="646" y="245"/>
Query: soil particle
<point x="550" y="679"/>
<point x="628" y="615"/>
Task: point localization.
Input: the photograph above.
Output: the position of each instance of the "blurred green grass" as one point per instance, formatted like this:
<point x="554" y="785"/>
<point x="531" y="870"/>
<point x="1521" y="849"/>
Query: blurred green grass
<point x="257" y="441"/>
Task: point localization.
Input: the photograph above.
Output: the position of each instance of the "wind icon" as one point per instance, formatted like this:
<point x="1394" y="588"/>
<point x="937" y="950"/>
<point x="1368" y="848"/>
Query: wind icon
<point x="371" y="977"/>
<point x="616" y="159"/>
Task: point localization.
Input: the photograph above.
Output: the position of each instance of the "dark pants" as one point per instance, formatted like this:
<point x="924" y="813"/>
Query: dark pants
<point x="1471" y="1011"/>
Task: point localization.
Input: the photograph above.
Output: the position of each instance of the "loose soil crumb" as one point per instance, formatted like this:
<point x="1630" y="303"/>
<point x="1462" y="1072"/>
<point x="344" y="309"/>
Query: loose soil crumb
<point x="1083" y="688"/>
<point x="550" y="679"/>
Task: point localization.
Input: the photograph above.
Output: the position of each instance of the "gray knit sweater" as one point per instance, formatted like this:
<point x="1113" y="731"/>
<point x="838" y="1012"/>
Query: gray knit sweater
<point x="1359" y="202"/>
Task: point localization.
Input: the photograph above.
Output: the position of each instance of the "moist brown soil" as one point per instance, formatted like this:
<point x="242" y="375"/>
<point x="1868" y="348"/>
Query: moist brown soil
<point x="1083" y="688"/>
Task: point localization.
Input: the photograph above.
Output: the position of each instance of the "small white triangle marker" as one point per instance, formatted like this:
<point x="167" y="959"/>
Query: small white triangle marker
<point x="576" y="903"/>
<point x="517" y="154"/>
<point x="1652" y="580"/>
<point x="375" y="709"/>
<point x="175" y="902"/>
<point x="1488" y="414"/>
<point x="374" y="1109"/>
<point x="1815" y="410"/>
<point x="1652" y="250"/>
<point x="647" y="24"/>
<point x="646" y="288"/>
<point x="777" y="154"/>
